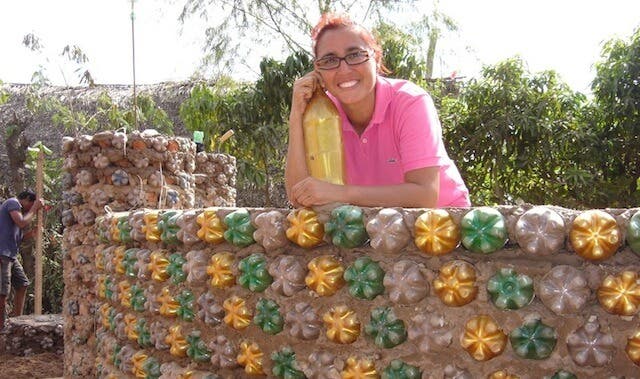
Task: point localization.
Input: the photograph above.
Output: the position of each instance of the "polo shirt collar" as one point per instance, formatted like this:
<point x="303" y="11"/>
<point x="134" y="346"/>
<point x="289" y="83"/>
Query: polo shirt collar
<point x="383" y="98"/>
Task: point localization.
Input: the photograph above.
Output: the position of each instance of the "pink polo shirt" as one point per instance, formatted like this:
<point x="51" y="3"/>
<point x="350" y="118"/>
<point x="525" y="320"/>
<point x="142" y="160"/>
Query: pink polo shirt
<point x="404" y="134"/>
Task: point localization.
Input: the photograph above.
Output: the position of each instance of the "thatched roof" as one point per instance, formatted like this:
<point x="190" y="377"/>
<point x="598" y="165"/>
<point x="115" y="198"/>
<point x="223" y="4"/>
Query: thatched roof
<point x="167" y="96"/>
<point x="20" y="127"/>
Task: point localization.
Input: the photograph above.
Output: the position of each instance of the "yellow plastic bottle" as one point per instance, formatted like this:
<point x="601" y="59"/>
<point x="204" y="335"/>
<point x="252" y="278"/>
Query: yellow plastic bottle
<point x="322" y="129"/>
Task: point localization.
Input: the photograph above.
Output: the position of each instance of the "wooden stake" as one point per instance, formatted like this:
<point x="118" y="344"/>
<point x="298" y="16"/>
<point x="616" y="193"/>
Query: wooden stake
<point x="133" y="63"/>
<point x="38" y="254"/>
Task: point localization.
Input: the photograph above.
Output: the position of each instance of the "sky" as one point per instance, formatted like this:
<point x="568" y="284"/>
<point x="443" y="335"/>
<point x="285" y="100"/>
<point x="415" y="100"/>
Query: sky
<point x="562" y="35"/>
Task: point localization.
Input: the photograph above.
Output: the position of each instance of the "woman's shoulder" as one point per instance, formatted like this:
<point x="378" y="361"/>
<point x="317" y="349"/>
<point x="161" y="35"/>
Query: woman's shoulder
<point x="402" y="87"/>
<point x="403" y="93"/>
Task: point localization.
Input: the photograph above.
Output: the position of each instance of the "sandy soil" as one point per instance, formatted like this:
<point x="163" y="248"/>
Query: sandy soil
<point x="45" y="365"/>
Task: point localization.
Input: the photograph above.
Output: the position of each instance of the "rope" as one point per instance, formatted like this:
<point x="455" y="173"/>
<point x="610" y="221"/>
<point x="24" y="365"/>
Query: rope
<point x="141" y="196"/>
<point x="140" y="201"/>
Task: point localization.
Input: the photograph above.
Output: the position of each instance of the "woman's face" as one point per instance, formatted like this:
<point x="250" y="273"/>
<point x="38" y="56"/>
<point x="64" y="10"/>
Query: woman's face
<point x="350" y="84"/>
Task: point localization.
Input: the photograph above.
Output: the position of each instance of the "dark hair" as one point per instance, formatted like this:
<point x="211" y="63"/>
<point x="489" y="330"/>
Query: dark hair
<point x="329" y="21"/>
<point x="27" y="194"/>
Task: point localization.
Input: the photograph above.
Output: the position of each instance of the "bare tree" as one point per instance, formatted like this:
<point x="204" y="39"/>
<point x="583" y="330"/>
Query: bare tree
<point x="236" y="27"/>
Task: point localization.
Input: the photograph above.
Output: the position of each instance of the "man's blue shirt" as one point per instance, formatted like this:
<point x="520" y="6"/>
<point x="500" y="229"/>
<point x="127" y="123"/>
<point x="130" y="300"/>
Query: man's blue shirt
<point x="10" y="233"/>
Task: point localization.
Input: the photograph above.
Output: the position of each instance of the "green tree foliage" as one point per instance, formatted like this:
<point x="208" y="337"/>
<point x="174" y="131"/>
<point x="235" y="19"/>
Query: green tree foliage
<point x="511" y="133"/>
<point x="108" y="115"/>
<point x="434" y="26"/>
<point x="4" y="95"/>
<point x="73" y="56"/>
<point x="616" y="119"/>
<point x="398" y="49"/>
<point x="74" y="53"/>
<point x="257" y="113"/>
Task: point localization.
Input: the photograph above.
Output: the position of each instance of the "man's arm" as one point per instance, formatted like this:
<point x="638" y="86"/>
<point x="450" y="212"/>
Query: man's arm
<point x="24" y="220"/>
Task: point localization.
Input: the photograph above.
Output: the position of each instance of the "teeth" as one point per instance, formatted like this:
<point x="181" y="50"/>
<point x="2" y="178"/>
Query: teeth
<point x="348" y="84"/>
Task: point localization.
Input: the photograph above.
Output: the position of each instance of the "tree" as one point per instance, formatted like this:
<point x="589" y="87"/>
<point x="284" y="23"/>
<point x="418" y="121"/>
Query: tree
<point x="108" y="115"/>
<point x="237" y="26"/>
<point x="616" y="90"/>
<point x="15" y="140"/>
<point x="74" y="59"/>
<point x="4" y="95"/>
<point x="511" y="133"/>
<point x="257" y="112"/>
<point x="435" y="24"/>
<point x="398" y="52"/>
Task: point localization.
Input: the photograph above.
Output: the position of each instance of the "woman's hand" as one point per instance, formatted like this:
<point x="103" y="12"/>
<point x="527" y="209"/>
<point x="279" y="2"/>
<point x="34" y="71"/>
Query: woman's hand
<point x="311" y="191"/>
<point x="301" y="189"/>
<point x="303" y="89"/>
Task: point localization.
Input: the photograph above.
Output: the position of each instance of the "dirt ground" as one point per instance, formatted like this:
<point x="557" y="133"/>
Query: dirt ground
<point x="45" y="365"/>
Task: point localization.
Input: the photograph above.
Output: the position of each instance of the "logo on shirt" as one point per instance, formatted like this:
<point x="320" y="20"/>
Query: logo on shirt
<point x="392" y="161"/>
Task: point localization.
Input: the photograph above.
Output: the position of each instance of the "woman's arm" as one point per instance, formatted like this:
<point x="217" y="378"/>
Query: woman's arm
<point x="296" y="166"/>
<point x="420" y="190"/>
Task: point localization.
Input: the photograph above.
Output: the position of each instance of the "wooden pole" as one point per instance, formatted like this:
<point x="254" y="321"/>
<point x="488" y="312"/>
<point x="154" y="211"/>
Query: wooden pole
<point x="38" y="253"/>
<point x="133" y="63"/>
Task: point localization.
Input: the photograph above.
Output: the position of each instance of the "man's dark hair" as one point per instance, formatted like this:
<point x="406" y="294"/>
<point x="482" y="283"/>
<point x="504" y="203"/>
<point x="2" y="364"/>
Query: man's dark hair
<point x="27" y="194"/>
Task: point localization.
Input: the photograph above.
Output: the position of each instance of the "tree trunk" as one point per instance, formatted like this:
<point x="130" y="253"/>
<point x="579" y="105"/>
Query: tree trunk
<point x="267" y="187"/>
<point x="431" y="51"/>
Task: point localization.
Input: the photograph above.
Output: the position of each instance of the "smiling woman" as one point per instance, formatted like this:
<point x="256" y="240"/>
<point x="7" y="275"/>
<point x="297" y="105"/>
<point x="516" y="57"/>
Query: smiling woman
<point x="394" y="154"/>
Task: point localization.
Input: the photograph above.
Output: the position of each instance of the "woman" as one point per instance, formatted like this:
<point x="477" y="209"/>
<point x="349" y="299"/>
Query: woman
<point x="394" y="155"/>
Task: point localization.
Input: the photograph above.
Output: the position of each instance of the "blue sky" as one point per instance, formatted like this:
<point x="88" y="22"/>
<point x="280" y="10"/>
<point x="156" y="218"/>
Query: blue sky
<point x="564" y="35"/>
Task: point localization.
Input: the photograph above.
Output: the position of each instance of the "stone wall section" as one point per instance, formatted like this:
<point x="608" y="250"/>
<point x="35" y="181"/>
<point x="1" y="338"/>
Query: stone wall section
<point x="113" y="172"/>
<point x="215" y="178"/>
<point x="28" y="335"/>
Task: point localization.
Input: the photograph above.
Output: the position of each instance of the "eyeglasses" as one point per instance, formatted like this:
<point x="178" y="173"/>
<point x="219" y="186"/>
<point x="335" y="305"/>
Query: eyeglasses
<point x="332" y="62"/>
